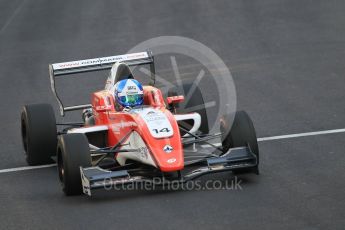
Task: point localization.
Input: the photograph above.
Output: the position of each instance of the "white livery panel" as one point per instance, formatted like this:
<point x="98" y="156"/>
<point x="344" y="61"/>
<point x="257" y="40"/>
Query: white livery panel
<point x="156" y="121"/>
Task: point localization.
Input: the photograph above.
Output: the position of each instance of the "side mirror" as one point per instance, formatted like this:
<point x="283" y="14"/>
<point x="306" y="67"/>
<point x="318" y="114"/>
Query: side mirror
<point x="175" y="99"/>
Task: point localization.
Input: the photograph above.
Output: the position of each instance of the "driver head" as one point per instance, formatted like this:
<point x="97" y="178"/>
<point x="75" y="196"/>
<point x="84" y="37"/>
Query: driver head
<point x="129" y="93"/>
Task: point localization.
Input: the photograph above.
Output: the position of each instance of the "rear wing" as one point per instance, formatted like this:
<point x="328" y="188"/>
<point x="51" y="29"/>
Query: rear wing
<point x="96" y="64"/>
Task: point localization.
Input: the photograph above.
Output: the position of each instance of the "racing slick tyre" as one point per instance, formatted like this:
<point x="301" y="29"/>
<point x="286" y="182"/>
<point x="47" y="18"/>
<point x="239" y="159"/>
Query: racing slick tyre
<point x="39" y="136"/>
<point x="240" y="134"/>
<point x="72" y="152"/>
<point x="194" y="104"/>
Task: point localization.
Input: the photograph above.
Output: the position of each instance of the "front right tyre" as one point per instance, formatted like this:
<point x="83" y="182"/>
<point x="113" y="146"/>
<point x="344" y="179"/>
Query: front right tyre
<point x="73" y="152"/>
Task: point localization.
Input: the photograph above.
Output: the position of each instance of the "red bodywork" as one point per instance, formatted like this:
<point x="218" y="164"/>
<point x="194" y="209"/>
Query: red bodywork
<point x="105" y="112"/>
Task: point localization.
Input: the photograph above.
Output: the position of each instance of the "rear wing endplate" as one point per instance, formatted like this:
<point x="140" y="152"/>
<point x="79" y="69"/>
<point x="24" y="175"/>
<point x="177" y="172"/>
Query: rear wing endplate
<point x="96" y="64"/>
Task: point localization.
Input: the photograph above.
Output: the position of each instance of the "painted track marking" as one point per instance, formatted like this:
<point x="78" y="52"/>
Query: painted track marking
<point x="301" y="135"/>
<point x="26" y="168"/>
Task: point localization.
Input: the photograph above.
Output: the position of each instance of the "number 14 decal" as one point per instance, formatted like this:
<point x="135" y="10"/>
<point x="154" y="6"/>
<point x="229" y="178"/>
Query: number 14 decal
<point x="164" y="130"/>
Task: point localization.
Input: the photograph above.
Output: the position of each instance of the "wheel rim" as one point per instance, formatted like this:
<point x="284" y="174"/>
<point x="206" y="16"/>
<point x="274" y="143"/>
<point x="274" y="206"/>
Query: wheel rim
<point x="61" y="169"/>
<point x="24" y="135"/>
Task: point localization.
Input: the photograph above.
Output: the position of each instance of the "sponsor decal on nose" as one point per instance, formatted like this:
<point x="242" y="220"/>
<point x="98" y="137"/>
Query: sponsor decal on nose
<point x="168" y="149"/>
<point x="171" y="160"/>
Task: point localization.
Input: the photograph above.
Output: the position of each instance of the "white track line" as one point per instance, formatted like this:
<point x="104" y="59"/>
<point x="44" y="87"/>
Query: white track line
<point x="26" y="168"/>
<point x="217" y="144"/>
<point x="301" y="135"/>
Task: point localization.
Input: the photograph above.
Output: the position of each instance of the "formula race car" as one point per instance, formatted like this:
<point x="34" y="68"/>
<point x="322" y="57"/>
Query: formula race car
<point x="116" y="146"/>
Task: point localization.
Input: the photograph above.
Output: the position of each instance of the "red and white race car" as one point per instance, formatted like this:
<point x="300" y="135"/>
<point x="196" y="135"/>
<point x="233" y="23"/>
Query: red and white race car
<point x="114" y="146"/>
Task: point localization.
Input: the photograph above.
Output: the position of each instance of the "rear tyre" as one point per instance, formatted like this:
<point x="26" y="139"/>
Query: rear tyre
<point x="39" y="135"/>
<point x="72" y="153"/>
<point x="194" y="104"/>
<point x="240" y="134"/>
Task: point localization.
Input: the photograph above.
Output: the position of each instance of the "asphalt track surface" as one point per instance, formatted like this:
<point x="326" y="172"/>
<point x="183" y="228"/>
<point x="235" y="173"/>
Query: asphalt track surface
<point x="287" y="61"/>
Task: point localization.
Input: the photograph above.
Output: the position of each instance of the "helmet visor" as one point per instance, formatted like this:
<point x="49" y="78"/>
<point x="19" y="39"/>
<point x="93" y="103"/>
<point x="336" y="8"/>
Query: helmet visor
<point x="131" y="100"/>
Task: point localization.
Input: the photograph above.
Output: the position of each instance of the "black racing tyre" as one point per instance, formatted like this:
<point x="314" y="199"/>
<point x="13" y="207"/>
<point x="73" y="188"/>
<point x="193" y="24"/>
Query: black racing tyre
<point x="194" y="104"/>
<point x="241" y="133"/>
<point x="39" y="135"/>
<point x="72" y="152"/>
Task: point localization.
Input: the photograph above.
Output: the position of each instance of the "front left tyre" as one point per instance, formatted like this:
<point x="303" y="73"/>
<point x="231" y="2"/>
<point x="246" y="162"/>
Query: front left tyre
<point x="39" y="135"/>
<point x="241" y="133"/>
